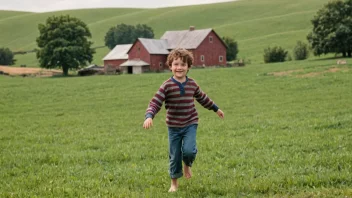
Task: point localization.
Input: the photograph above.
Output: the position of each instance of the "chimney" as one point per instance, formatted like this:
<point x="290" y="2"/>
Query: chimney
<point x="191" y="28"/>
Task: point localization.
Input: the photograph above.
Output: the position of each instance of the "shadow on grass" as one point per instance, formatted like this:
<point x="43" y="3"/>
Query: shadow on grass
<point x="68" y="76"/>
<point x="330" y="58"/>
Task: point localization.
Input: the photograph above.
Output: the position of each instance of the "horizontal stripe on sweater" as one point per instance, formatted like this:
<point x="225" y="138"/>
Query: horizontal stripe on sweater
<point x="178" y="124"/>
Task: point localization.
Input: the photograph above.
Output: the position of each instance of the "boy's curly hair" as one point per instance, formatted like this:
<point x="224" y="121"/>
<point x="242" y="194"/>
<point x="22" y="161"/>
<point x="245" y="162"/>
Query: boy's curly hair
<point x="185" y="55"/>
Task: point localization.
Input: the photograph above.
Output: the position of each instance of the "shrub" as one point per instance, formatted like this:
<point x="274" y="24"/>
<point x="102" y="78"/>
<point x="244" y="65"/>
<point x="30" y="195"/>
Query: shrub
<point x="301" y="51"/>
<point x="6" y="57"/>
<point x="275" y="54"/>
<point x="231" y="48"/>
<point x="288" y="57"/>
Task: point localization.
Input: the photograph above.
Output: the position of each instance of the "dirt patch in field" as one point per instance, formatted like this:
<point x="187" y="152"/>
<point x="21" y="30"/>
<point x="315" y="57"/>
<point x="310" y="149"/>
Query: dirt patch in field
<point x="285" y="73"/>
<point x="23" y="71"/>
<point x="330" y="70"/>
<point x="310" y="74"/>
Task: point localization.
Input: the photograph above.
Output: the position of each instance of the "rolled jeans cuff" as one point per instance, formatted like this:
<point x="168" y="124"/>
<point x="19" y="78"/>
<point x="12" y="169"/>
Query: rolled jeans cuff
<point x="176" y="176"/>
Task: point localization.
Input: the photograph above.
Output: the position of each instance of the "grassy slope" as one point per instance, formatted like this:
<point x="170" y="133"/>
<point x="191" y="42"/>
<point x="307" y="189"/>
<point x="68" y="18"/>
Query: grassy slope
<point x="82" y="137"/>
<point x="255" y="24"/>
<point x="6" y="15"/>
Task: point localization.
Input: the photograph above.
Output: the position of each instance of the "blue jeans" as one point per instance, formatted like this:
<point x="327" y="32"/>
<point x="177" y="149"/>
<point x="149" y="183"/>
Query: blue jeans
<point x="182" y="147"/>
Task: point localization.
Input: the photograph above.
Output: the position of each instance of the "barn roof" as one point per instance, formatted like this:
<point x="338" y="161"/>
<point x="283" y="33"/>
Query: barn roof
<point x="155" y="46"/>
<point x="189" y="39"/>
<point x="119" y="52"/>
<point x="134" y="63"/>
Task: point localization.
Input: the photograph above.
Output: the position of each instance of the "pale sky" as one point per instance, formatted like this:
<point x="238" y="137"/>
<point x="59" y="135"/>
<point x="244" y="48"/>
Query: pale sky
<point x="54" y="5"/>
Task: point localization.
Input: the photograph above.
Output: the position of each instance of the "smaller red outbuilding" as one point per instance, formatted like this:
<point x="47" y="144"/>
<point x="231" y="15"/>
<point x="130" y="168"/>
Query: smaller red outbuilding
<point x="116" y="57"/>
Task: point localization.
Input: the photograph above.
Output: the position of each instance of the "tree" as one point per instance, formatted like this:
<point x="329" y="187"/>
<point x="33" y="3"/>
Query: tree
<point x="231" y="48"/>
<point x="63" y="43"/>
<point x="143" y="31"/>
<point x="126" y="34"/>
<point x="301" y="51"/>
<point x="332" y="29"/>
<point x="6" y="57"/>
<point x="275" y="54"/>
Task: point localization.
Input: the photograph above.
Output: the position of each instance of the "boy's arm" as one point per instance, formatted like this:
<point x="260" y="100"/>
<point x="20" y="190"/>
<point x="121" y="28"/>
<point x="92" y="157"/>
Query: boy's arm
<point x="156" y="103"/>
<point x="204" y="100"/>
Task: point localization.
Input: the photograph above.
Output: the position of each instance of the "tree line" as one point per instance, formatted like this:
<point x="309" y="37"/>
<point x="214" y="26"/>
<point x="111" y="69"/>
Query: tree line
<point x="64" y="42"/>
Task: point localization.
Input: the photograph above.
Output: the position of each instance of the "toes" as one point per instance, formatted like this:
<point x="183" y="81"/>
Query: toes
<point x="172" y="190"/>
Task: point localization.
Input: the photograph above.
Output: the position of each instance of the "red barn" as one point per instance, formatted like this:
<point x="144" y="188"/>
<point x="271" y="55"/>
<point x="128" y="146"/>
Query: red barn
<point x="207" y="47"/>
<point x="116" y="57"/>
<point x="150" y="54"/>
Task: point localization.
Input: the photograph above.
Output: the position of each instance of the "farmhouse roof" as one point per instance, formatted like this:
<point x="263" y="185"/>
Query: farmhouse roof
<point x="189" y="39"/>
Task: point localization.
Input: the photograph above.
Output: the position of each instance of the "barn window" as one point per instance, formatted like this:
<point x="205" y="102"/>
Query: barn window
<point x="138" y="52"/>
<point x="202" y="58"/>
<point x="221" y="58"/>
<point x="210" y="39"/>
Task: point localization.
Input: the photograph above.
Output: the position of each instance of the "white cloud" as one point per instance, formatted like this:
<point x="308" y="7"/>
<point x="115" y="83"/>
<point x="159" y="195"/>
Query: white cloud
<point x="53" y="5"/>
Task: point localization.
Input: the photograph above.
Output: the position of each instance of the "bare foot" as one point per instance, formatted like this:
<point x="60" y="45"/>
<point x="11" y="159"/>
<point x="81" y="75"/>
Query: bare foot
<point x="173" y="188"/>
<point x="188" y="172"/>
<point x="174" y="185"/>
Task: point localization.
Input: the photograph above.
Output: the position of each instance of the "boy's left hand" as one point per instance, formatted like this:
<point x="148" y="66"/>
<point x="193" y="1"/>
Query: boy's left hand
<point x="220" y="113"/>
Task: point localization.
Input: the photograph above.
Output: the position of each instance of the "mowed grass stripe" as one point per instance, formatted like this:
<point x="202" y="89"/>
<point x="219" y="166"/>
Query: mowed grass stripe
<point x="264" y="18"/>
<point x="17" y="15"/>
<point x="116" y="17"/>
<point x="275" y="34"/>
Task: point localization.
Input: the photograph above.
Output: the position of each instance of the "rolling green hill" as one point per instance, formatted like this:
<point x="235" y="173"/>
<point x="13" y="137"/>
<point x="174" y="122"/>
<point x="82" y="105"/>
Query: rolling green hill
<point x="255" y="24"/>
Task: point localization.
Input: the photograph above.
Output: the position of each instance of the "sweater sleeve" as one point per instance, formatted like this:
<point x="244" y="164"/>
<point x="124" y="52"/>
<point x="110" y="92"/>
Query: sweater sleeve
<point x="156" y="103"/>
<point x="204" y="100"/>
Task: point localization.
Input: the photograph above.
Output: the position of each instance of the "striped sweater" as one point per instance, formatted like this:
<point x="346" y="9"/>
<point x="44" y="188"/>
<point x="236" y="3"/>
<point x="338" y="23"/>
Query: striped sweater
<point x="179" y="102"/>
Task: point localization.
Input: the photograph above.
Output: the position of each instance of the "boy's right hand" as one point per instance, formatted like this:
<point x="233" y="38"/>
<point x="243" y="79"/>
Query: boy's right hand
<point x="148" y="123"/>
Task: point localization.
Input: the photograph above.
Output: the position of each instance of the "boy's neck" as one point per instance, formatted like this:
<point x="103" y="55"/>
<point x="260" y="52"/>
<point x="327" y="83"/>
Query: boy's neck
<point x="180" y="80"/>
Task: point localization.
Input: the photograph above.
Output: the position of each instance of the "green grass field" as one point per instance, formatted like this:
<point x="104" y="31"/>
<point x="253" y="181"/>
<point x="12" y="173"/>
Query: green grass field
<point x="282" y="136"/>
<point x="255" y="24"/>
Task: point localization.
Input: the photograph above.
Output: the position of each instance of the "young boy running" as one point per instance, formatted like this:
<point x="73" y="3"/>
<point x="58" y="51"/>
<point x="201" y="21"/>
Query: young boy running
<point x="178" y="93"/>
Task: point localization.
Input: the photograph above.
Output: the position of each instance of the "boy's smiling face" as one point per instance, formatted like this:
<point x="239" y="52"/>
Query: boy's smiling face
<point x="179" y="69"/>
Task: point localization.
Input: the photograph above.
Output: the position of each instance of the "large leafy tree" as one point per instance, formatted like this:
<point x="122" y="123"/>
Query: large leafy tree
<point x="332" y="29"/>
<point x="63" y="43"/>
<point x="6" y="57"/>
<point x="231" y="48"/>
<point x="126" y="34"/>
